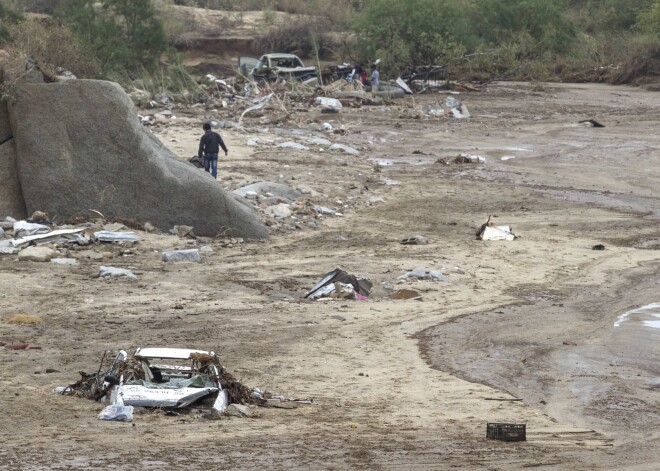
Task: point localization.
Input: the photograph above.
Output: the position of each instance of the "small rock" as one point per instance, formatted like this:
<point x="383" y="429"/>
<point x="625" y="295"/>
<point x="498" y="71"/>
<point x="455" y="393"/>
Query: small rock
<point x="90" y="254"/>
<point x="238" y="410"/>
<point x="148" y="227"/>
<point x="415" y="240"/>
<point x="64" y="261"/>
<point x="39" y="216"/>
<point x="206" y="250"/>
<point x="114" y="272"/>
<point x="281" y="210"/>
<point x="344" y="148"/>
<point x="183" y="231"/>
<point x="36" y="254"/>
<point x="188" y="255"/>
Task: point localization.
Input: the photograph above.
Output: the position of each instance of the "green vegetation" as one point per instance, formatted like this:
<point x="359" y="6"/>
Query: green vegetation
<point x="8" y="17"/>
<point x="124" y="34"/>
<point x="576" y="40"/>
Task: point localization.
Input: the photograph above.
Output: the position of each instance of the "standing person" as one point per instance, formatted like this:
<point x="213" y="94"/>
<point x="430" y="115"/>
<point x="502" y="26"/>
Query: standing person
<point x="375" y="78"/>
<point x="209" y="147"/>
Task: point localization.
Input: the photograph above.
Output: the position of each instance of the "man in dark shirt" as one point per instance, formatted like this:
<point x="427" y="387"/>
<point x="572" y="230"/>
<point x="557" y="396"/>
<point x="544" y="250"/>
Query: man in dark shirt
<point x="209" y="147"/>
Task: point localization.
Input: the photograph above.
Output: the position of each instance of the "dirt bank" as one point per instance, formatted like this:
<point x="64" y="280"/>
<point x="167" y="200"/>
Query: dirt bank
<point x="397" y="383"/>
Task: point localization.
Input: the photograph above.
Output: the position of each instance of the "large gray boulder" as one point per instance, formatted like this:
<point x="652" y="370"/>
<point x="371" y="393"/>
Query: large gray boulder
<point x="79" y="146"/>
<point x="5" y="128"/>
<point x="11" y="199"/>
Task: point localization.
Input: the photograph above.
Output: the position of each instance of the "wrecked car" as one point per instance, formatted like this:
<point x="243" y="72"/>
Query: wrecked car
<point x="271" y="67"/>
<point x="163" y="378"/>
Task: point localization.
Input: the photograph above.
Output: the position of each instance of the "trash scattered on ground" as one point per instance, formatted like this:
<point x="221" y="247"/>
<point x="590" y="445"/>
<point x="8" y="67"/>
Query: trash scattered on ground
<point x="489" y="232"/>
<point x="598" y="247"/>
<point x="329" y="103"/>
<point x="339" y="284"/>
<point x="406" y="294"/>
<point x="24" y="228"/>
<point x="506" y="432"/>
<point x="470" y="159"/>
<point x="116" y="237"/>
<point x="36" y="254"/>
<point x="61" y="236"/>
<point x="415" y="240"/>
<point x="114" y="272"/>
<point x="422" y="274"/>
<point x="591" y="123"/>
<point x="399" y="82"/>
<point x="117" y="412"/>
<point x="178" y="256"/>
<point x="498" y="233"/>
<point x="324" y="210"/>
<point x="64" y="261"/>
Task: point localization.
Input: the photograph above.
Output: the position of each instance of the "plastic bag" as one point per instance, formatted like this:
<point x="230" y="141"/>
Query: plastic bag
<point x="117" y="412"/>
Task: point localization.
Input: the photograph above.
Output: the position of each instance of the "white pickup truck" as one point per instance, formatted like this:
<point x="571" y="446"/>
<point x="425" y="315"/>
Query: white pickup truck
<point x="271" y="67"/>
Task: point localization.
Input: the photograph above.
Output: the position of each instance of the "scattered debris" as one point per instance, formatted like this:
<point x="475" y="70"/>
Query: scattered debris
<point x="470" y="159"/>
<point x="506" y="432"/>
<point x="489" y="232"/>
<point x="112" y="237"/>
<point x="328" y="103"/>
<point x="399" y="82"/>
<point x="187" y="255"/>
<point x="339" y="284"/>
<point x="114" y="272"/>
<point x="498" y="233"/>
<point x="61" y="236"/>
<point x="422" y="274"/>
<point x="118" y="412"/>
<point x="64" y="261"/>
<point x="189" y="377"/>
<point x="591" y="123"/>
<point x="24" y="228"/>
<point x="415" y="240"/>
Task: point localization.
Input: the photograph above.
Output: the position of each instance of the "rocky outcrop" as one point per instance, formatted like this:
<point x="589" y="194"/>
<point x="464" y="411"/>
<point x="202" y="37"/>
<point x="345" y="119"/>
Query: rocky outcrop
<point x="11" y="199"/>
<point x="79" y="146"/>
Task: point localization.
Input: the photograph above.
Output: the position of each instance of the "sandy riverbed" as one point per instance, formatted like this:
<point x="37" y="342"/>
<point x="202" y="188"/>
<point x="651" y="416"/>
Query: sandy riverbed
<point x="398" y="384"/>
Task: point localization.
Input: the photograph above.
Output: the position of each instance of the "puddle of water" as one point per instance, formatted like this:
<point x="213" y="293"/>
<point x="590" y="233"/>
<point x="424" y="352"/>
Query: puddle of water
<point x="650" y="310"/>
<point x="653" y="324"/>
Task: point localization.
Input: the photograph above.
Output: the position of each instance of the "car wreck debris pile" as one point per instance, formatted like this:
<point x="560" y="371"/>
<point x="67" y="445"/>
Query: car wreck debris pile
<point x="163" y="378"/>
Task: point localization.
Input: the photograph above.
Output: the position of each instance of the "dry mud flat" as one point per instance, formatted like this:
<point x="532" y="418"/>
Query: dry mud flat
<point x="398" y="384"/>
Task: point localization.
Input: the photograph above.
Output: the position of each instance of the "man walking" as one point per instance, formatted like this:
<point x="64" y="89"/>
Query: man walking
<point x="375" y="78"/>
<point x="209" y="147"/>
